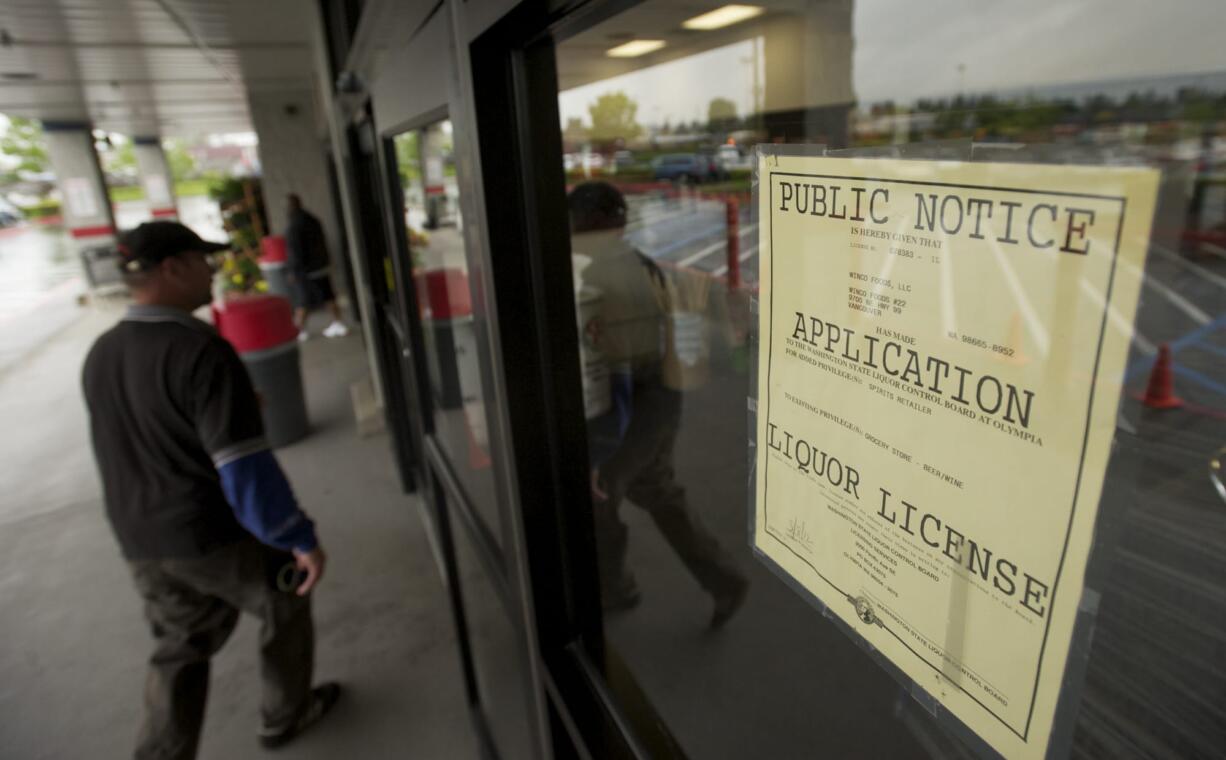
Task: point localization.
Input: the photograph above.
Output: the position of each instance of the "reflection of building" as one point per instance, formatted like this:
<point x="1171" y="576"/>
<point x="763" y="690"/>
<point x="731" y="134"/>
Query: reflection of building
<point x="801" y="64"/>
<point x="808" y="90"/>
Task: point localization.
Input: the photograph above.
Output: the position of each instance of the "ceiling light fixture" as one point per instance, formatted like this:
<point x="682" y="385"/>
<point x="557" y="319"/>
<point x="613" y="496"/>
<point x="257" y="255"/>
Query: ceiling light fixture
<point x="725" y="16"/>
<point x="635" y="48"/>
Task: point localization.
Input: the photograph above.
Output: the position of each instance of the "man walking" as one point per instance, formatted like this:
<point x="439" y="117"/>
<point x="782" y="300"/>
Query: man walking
<point x="308" y="266"/>
<point x="632" y="445"/>
<point x="201" y="509"/>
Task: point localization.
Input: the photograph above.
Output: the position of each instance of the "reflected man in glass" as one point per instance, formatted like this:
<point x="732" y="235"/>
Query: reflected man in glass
<point x="632" y="443"/>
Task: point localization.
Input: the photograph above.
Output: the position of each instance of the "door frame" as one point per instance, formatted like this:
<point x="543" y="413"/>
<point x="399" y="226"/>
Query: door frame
<point x="591" y="693"/>
<point x="370" y="208"/>
<point x="448" y="502"/>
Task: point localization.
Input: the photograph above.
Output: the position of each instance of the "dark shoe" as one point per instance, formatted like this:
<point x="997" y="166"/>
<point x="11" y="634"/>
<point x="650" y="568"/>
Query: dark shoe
<point x="728" y="602"/>
<point x="624" y="595"/>
<point x="323" y="697"/>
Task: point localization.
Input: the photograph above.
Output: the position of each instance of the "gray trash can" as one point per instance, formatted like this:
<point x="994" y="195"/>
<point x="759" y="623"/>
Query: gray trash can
<point x="274" y="265"/>
<point x="276" y="374"/>
<point x="261" y="328"/>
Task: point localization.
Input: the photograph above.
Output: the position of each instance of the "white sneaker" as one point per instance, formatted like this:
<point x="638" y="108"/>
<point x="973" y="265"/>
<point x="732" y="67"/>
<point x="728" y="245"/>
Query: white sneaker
<point x="303" y="336"/>
<point x="336" y="330"/>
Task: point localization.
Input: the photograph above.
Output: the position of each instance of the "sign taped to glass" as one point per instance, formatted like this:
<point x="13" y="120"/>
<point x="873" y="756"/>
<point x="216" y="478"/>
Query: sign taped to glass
<point x="941" y="353"/>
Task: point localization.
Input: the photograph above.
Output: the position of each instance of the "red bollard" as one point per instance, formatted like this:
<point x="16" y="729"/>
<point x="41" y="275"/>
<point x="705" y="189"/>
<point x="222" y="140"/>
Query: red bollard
<point x="732" y="218"/>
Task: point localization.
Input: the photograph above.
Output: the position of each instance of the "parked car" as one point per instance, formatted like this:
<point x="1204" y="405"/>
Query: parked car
<point x="573" y="161"/>
<point x="731" y="156"/>
<point x="682" y="167"/>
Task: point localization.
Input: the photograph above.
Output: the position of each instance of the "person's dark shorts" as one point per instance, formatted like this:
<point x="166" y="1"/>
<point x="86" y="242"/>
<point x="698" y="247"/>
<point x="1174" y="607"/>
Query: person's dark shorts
<point x="313" y="291"/>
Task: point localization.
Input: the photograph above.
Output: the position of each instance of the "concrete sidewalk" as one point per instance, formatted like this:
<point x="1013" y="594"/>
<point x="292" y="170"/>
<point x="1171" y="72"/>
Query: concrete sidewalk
<point x="74" y="640"/>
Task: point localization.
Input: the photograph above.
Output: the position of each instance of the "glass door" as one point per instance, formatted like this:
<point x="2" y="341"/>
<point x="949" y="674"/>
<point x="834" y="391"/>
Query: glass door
<point x="662" y="625"/>
<point x="443" y="305"/>
<point x="394" y="348"/>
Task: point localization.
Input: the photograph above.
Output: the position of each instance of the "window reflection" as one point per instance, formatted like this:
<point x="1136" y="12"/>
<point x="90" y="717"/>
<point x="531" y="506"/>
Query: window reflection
<point x="648" y="329"/>
<point x="673" y="128"/>
<point x="434" y="229"/>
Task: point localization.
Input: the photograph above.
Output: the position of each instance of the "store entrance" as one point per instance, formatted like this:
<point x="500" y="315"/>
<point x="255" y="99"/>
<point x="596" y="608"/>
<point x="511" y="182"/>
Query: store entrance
<point x="627" y="255"/>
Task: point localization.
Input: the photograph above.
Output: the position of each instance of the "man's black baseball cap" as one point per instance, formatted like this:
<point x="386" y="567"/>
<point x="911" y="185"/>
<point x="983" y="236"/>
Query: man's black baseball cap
<point x="151" y="243"/>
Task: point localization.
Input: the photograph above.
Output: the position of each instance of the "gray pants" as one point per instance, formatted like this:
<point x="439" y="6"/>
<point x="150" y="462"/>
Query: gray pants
<point x="642" y="471"/>
<point x="193" y="606"/>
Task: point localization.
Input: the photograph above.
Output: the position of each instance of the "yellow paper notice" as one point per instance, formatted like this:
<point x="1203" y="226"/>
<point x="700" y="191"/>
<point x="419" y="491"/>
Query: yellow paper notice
<point x="942" y="347"/>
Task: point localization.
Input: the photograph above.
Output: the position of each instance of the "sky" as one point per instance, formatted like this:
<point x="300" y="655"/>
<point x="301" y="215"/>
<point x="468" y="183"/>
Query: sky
<point x="679" y="90"/>
<point x="905" y="50"/>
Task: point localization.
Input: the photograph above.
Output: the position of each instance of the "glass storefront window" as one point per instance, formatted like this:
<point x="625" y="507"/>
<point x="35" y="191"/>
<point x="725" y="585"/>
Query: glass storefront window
<point x="660" y="115"/>
<point x="435" y="233"/>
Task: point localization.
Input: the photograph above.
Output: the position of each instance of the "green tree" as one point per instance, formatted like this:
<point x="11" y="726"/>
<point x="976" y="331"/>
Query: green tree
<point x="182" y="163"/>
<point x="721" y="115"/>
<point x="613" y="118"/>
<point x="23" y="140"/>
<point x="120" y="159"/>
<point x="408" y="158"/>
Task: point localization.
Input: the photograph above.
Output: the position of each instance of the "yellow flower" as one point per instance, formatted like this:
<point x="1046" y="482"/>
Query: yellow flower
<point x="237" y="279"/>
<point x="261" y="286"/>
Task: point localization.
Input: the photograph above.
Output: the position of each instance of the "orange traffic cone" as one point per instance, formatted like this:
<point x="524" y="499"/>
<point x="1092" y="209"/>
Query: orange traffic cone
<point x="1160" y="393"/>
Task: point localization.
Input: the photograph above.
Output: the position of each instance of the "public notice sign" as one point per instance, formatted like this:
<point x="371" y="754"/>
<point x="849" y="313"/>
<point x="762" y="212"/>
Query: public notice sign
<point x="941" y="353"/>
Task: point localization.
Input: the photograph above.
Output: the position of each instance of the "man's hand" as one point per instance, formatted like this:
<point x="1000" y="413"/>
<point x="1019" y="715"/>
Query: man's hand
<point x="312" y="563"/>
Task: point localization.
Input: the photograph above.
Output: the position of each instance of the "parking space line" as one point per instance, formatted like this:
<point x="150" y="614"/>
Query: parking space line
<point x="705" y="252"/>
<point x="1033" y="323"/>
<point x="1195" y="336"/>
<point x="1195" y="269"/>
<point x="1200" y="379"/>
<point x="1216" y="250"/>
<point x="685" y="241"/>
<point x="708" y="232"/>
<point x="1190" y="309"/>
<point x="1144" y="345"/>
<point x="1216" y="350"/>
<point x="746" y="255"/>
<point x="1191" y="338"/>
<point x="664" y="216"/>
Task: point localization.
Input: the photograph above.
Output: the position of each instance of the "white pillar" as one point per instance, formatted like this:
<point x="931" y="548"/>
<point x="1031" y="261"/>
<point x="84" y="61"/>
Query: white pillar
<point x="339" y="139"/>
<point x="83" y="196"/>
<point x="292" y="158"/>
<point x="155" y="177"/>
